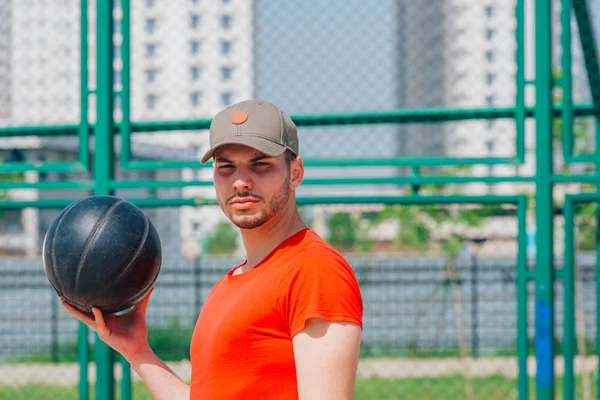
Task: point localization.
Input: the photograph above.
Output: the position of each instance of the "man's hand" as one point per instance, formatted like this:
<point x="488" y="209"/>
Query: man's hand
<point x="127" y="334"/>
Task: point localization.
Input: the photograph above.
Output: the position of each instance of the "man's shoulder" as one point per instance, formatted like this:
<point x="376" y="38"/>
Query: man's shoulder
<point x="314" y="246"/>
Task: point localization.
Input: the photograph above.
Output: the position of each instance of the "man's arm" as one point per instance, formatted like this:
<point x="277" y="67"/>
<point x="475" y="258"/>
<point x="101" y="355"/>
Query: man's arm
<point x="128" y="335"/>
<point x="326" y="355"/>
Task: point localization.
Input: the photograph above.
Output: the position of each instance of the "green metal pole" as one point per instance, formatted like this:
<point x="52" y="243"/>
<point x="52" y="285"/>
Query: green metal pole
<point x="566" y="80"/>
<point x="103" y="165"/>
<point x="520" y="108"/>
<point x="597" y="125"/>
<point x="125" y="129"/>
<point x="84" y="90"/>
<point x="569" y="299"/>
<point x="83" y="332"/>
<point x="522" y="337"/>
<point x="83" y="359"/>
<point x="544" y="265"/>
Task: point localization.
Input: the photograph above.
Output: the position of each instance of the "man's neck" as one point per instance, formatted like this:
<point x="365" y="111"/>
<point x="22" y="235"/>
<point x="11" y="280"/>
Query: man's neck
<point x="261" y="241"/>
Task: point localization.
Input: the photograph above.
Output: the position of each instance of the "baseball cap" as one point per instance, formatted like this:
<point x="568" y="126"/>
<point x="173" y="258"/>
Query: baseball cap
<point x="255" y="123"/>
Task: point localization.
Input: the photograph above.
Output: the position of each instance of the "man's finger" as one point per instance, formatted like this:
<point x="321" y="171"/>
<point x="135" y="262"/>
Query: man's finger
<point x="103" y="330"/>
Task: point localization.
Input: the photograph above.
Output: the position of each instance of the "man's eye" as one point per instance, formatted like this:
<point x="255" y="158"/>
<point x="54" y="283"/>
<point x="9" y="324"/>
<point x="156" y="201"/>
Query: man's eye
<point x="260" y="164"/>
<point x="225" y="166"/>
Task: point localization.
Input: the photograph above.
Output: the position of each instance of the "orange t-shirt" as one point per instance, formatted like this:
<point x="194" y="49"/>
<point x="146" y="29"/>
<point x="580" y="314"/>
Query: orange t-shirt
<point x="242" y="344"/>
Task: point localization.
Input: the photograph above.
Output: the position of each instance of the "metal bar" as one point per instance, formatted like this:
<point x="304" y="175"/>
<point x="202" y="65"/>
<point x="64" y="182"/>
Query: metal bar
<point x="522" y="278"/>
<point x="520" y="108"/>
<point x="83" y="359"/>
<point x="597" y="126"/>
<point x="425" y="115"/>
<point x="47" y="185"/>
<point x="569" y="300"/>
<point x="103" y="165"/>
<point x="126" y="155"/>
<point x="126" y="386"/>
<point x="590" y="51"/>
<point x="340" y="162"/>
<point x="544" y="266"/>
<point x="42" y="167"/>
<point x="399" y="180"/>
<point x="125" y="125"/>
<point x="566" y="81"/>
<point x="84" y="125"/>
<point x="574" y="178"/>
<point x="40" y="130"/>
<point x="587" y="197"/>
<point x="176" y="202"/>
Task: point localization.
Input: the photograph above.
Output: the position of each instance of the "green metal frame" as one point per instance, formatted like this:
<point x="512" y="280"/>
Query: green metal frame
<point x="543" y="112"/>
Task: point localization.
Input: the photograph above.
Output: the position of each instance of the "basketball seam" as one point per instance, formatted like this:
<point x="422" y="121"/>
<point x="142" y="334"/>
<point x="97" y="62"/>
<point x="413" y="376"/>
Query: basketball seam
<point x="97" y="228"/>
<point x="125" y="270"/>
<point x="60" y="290"/>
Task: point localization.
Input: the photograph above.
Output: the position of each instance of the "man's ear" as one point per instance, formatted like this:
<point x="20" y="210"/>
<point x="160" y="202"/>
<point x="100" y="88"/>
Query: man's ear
<point x="296" y="172"/>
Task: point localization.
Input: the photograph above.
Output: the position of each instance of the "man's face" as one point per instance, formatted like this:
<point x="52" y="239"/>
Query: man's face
<point x="252" y="187"/>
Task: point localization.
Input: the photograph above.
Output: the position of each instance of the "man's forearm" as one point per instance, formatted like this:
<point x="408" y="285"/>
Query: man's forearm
<point x="160" y="380"/>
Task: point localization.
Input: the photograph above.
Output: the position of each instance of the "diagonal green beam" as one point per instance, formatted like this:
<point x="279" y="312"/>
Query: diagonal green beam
<point x="590" y="52"/>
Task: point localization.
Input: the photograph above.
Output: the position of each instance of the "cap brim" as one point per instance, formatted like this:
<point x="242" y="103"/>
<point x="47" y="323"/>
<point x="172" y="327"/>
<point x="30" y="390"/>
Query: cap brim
<point x="256" y="142"/>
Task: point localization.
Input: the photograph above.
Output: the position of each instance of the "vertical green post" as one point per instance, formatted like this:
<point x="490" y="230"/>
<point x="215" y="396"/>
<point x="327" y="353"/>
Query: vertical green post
<point x="597" y="125"/>
<point x="82" y="334"/>
<point x="103" y="164"/>
<point x="544" y="261"/>
<point x="84" y="125"/>
<point x="522" y="337"/>
<point x="83" y="358"/>
<point x="520" y="109"/>
<point x="125" y="129"/>
<point x="569" y="300"/>
<point x="567" y="80"/>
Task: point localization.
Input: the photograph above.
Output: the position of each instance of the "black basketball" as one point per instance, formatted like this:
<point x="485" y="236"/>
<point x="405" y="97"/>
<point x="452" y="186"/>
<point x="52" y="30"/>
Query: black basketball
<point x="102" y="251"/>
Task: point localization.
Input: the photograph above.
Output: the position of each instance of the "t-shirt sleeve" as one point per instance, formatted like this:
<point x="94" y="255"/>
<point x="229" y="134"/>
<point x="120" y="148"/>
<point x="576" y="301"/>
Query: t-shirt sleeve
<point x="319" y="283"/>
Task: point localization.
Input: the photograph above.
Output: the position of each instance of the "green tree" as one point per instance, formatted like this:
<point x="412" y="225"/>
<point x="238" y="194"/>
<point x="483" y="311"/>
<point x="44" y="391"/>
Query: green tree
<point x="222" y="240"/>
<point x="343" y="228"/>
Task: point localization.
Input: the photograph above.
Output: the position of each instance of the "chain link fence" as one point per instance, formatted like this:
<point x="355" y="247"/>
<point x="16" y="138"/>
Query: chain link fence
<point x="440" y="303"/>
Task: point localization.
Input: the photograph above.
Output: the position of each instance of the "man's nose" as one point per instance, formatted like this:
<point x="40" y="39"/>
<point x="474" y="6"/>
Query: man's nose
<point x="242" y="182"/>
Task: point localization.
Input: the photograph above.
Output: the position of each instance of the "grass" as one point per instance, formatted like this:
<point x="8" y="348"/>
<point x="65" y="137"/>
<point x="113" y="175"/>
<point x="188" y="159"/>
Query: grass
<point x="492" y="387"/>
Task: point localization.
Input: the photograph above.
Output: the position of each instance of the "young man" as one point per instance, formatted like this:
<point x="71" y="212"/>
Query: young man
<point x="286" y="323"/>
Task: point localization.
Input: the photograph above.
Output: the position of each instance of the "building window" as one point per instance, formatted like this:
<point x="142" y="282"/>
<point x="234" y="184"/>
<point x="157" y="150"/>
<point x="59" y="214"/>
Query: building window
<point x="195" y="72"/>
<point x="225" y="47"/>
<point x="226" y="21"/>
<point x="490" y="33"/>
<point x="490" y="124"/>
<point x="195" y="98"/>
<point x="150" y="25"/>
<point x="489" y="11"/>
<point x="194" y="47"/>
<point x="490" y="144"/>
<point x="118" y="80"/>
<point x="489" y="55"/>
<point x="195" y="1"/>
<point x="151" y="75"/>
<point x="194" y="21"/>
<point x="226" y="98"/>
<point x="117" y="52"/>
<point x="489" y="100"/>
<point x="490" y="78"/>
<point x="151" y="100"/>
<point x="150" y="50"/>
<point x="149" y="3"/>
<point x="226" y="73"/>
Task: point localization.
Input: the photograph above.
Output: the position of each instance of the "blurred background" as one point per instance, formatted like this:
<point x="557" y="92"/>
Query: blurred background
<point x="417" y="124"/>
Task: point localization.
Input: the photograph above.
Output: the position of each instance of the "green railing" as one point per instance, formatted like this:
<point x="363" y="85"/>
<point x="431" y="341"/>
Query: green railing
<point x="543" y="112"/>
